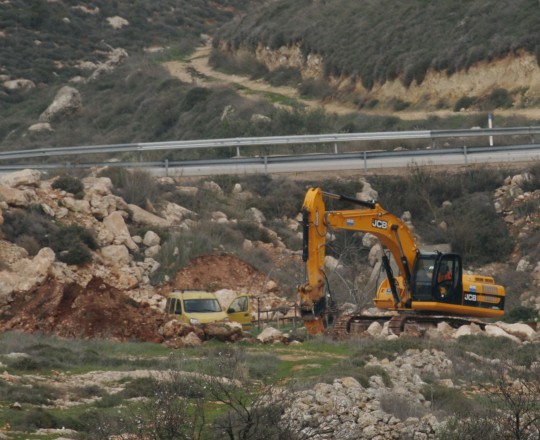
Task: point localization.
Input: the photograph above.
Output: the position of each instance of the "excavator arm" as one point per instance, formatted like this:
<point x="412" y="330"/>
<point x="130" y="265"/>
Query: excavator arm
<point x="373" y="218"/>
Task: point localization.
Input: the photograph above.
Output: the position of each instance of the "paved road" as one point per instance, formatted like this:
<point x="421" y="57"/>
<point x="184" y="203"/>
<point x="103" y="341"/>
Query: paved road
<point x="370" y="165"/>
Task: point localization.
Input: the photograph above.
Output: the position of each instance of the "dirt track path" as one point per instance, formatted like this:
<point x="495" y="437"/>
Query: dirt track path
<point x="196" y="70"/>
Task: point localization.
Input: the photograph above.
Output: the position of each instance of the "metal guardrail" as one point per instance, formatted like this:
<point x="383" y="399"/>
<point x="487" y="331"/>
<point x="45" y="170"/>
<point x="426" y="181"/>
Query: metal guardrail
<point x="270" y="140"/>
<point x="271" y="163"/>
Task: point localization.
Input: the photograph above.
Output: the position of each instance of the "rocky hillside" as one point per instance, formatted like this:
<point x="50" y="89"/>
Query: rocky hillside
<point x="87" y="299"/>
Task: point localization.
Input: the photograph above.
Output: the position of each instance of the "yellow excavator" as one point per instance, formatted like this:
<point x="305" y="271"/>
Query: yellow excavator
<point x="429" y="288"/>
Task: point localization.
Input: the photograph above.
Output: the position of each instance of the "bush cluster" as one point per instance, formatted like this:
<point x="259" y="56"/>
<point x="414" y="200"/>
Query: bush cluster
<point x="69" y="184"/>
<point x="33" y="230"/>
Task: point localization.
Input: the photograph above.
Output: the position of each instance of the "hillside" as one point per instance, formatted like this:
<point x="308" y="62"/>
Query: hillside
<point x="126" y="49"/>
<point x="447" y="54"/>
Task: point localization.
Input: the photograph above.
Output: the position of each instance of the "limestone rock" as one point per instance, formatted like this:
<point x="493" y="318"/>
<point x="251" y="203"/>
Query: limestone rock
<point x="25" y="177"/>
<point x="144" y="217"/>
<point x="115" y="224"/>
<point x="18" y="84"/>
<point x="13" y="196"/>
<point x="151" y="239"/>
<point x="493" y="330"/>
<point x="270" y="334"/>
<point x="41" y="127"/>
<point x="66" y="102"/>
<point x="115" y="254"/>
<point x="25" y="274"/>
<point x="115" y="57"/>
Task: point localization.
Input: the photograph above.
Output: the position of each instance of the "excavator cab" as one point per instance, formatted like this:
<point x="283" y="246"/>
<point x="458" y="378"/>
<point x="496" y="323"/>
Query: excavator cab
<point x="437" y="277"/>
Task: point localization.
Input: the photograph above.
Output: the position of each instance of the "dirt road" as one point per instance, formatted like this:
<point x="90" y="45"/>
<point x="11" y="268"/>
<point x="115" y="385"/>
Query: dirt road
<point x="196" y="70"/>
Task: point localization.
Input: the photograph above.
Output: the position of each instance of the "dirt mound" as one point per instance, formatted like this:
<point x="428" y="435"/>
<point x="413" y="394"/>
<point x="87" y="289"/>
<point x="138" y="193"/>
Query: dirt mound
<point x="214" y="272"/>
<point x="102" y="311"/>
<point x="96" y="311"/>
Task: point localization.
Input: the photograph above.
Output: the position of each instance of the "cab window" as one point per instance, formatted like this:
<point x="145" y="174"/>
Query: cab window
<point x="239" y="305"/>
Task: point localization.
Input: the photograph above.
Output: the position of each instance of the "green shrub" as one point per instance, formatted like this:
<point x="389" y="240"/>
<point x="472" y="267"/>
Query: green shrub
<point x="314" y="88"/>
<point x="498" y="98"/>
<point x="398" y="104"/>
<point x="477" y="232"/>
<point x="72" y="244"/>
<point x="136" y="187"/>
<point x="69" y="184"/>
<point x="254" y="232"/>
<point x="34" y="230"/>
<point x="521" y="313"/>
<point x="464" y="102"/>
<point x="195" y="96"/>
<point x="118" y="176"/>
<point x="400" y="406"/>
<point x="447" y="400"/>
<point x="284" y="76"/>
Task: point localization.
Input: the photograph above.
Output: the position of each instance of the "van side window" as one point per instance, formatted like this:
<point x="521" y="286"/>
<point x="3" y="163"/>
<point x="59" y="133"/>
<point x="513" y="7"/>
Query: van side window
<point x="177" y="306"/>
<point x="168" y="306"/>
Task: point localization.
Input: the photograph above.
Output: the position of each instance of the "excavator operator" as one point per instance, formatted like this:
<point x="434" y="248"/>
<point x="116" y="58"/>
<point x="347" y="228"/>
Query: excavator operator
<point x="444" y="274"/>
<point x="444" y="282"/>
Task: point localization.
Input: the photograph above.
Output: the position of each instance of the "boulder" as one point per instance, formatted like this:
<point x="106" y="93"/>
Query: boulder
<point x="13" y="196"/>
<point x="115" y="255"/>
<point x="151" y="239"/>
<point x="115" y="224"/>
<point x="66" y="102"/>
<point x="115" y="57"/>
<point x="175" y="214"/>
<point x="146" y="218"/>
<point x="270" y="334"/>
<point x="25" y="177"/>
<point x="522" y="331"/>
<point x="222" y="331"/>
<point x="19" y="84"/>
<point x="25" y="274"/>
<point x="493" y="330"/>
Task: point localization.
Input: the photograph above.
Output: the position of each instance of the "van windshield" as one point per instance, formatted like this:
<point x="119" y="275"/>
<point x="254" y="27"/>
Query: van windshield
<point x="201" y="305"/>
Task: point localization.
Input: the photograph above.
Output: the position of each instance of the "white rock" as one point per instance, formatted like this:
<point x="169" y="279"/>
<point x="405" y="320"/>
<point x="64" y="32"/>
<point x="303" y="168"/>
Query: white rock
<point x="66" y="102"/>
<point x="115" y="224"/>
<point x="493" y="330"/>
<point x="522" y="331"/>
<point x="269" y="334"/>
<point x="25" y="177"/>
<point x="117" y="22"/>
<point x="151" y="239"/>
<point x="115" y="255"/>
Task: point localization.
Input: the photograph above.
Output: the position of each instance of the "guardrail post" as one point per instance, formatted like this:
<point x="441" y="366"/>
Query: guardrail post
<point x="365" y="161"/>
<point x="166" y="167"/>
<point x="465" y="154"/>
<point x="266" y="164"/>
<point x="258" y="313"/>
<point x="335" y="148"/>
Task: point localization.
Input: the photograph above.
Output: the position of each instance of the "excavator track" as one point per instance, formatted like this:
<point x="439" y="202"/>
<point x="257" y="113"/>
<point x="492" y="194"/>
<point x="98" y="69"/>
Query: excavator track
<point x="351" y="324"/>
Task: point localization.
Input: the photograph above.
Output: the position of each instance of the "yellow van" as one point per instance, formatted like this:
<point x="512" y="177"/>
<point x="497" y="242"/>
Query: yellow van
<point x="200" y="307"/>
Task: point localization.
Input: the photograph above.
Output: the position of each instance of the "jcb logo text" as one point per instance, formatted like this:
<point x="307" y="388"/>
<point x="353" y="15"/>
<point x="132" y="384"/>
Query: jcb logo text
<point x="381" y="224"/>
<point x="470" y="297"/>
